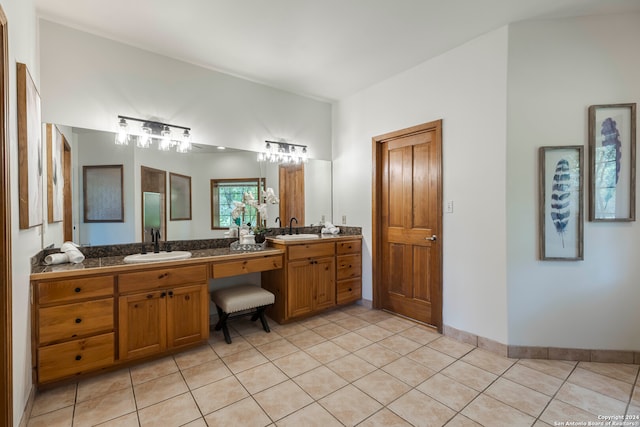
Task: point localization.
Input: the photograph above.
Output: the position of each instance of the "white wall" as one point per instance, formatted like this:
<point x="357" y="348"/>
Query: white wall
<point x="466" y="87"/>
<point x="557" y="68"/>
<point x="109" y="78"/>
<point x="25" y="243"/>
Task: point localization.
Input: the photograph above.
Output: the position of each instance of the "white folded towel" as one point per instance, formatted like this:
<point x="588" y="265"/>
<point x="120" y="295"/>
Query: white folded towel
<point x="56" y="259"/>
<point x="329" y="229"/>
<point x="71" y="250"/>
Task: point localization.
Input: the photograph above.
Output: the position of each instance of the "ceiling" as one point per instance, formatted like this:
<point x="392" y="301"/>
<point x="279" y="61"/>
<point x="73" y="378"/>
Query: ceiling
<point x="327" y="49"/>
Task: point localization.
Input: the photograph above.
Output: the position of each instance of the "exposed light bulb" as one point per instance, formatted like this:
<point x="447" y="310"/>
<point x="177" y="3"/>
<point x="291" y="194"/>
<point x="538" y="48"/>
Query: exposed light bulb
<point x="122" y="137"/>
<point x="144" y="140"/>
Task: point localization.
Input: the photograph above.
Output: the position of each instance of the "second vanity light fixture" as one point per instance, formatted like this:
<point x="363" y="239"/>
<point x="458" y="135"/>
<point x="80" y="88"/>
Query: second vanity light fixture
<point x="168" y="136"/>
<point x="283" y="152"/>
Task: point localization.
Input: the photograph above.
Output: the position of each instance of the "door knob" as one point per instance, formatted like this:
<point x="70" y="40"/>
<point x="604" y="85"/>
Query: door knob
<point x="433" y="238"/>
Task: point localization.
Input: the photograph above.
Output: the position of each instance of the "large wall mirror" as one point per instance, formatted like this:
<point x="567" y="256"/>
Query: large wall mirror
<point x="201" y="165"/>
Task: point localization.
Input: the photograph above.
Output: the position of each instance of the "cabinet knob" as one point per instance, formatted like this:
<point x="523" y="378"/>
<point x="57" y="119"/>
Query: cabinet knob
<point x="78" y="320"/>
<point x="350" y="290"/>
<point x="187" y="297"/>
<point x="77" y="289"/>
<point x="162" y="295"/>
<point x="78" y="357"/>
<point x="149" y="296"/>
<point x="171" y="294"/>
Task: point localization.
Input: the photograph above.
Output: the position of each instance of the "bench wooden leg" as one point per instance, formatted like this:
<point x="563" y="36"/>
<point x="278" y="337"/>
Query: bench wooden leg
<point x="222" y="324"/>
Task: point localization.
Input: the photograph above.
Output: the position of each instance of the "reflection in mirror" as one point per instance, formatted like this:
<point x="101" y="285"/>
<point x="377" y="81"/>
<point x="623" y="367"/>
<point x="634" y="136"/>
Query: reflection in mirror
<point x="153" y="188"/>
<point x="203" y="163"/>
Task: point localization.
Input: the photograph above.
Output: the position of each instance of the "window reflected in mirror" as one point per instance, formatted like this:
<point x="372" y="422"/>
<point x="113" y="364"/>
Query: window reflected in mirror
<point x="224" y="192"/>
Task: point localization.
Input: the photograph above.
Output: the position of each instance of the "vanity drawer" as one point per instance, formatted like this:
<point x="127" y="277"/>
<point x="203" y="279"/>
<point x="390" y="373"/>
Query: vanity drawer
<point x="349" y="290"/>
<point x="74" y="357"/>
<point x="161" y="278"/>
<point x="311" y="250"/>
<point x="234" y="268"/>
<point x="70" y="290"/>
<point x="349" y="247"/>
<point x="72" y="320"/>
<point x="348" y="266"/>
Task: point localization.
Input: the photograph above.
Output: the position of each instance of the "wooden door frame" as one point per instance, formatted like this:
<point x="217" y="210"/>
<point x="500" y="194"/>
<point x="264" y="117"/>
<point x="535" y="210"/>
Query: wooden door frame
<point x="376" y="211"/>
<point x="6" y="356"/>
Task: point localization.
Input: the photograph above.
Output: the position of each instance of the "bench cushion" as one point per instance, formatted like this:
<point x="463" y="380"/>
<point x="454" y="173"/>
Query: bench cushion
<point x="241" y="297"/>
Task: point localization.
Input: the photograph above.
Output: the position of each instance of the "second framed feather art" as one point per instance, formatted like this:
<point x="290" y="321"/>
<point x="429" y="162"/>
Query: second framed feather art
<point x="560" y="205"/>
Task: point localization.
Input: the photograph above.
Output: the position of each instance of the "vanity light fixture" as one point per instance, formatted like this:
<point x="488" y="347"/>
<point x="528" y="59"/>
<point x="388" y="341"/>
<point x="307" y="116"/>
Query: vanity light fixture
<point x="168" y="136"/>
<point x="283" y="152"/>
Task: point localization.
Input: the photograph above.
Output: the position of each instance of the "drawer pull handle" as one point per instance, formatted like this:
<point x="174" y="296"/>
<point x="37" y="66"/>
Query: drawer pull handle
<point x="163" y="275"/>
<point x="187" y="297"/>
<point x="78" y="320"/>
<point x="78" y="357"/>
<point x="350" y="289"/>
<point x="77" y="289"/>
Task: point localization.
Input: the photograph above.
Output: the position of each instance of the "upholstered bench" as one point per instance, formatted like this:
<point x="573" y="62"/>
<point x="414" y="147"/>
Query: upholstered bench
<point x="239" y="298"/>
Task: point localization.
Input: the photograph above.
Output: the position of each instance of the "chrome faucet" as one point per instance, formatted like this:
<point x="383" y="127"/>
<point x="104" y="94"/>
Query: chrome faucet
<point x="291" y="224"/>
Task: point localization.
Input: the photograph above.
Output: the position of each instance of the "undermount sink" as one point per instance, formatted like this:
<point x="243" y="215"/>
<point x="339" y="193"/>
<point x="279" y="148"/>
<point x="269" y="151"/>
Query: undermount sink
<point x="155" y="257"/>
<point x="297" y="236"/>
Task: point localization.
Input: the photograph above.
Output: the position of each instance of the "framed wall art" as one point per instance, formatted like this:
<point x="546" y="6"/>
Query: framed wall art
<point x="30" y="162"/>
<point x="55" y="176"/>
<point x="180" y="201"/>
<point x="560" y="203"/>
<point x="103" y="193"/>
<point x="612" y="162"/>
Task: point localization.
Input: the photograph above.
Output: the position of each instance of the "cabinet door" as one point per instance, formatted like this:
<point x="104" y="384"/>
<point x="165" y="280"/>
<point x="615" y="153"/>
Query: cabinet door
<point x="325" y="284"/>
<point x="142" y="324"/>
<point x="187" y="315"/>
<point x="300" y="290"/>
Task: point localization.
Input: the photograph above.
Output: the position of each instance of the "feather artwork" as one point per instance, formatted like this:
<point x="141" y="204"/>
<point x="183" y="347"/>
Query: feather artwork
<point x="560" y="197"/>
<point x="611" y="140"/>
<point x="611" y="155"/>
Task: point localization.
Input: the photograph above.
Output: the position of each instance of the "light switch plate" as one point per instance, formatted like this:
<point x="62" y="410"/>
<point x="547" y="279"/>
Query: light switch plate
<point x="344" y="220"/>
<point x="449" y="208"/>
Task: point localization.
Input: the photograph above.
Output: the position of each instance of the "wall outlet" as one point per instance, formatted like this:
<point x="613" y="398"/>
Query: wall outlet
<point x="449" y="208"/>
<point x="322" y="220"/>
<point x="344" y="220"/>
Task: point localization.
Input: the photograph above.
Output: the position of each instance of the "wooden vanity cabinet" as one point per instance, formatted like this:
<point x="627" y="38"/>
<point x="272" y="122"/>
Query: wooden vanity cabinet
<point x="348" y="271"/>
<point x="161" y="309"/>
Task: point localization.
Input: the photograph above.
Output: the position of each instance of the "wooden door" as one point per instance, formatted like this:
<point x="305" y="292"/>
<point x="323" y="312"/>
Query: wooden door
<point x="324" y="283"/>
<point x="300" y="288"/>
<point x="67" y="218"/>
<point x="142" y="324"/>
<point x="187" y="315"/>
<point x="291" y="189"/>
<point x="408" y="213"/>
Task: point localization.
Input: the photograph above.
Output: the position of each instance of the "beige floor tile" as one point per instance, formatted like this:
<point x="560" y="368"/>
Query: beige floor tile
<point x="197" y="356"/>
<point x="237" y="345"/>
<point x="103" y="384"/>
<point x="559" y="412"/>
<point x="219" y="394"/>
<point x="448" y="391"/>
<point x="245" y="412"/>
<point x="352" y="323"/>
<point x="129" y="420"/>
<point x="634" y="410"/>
<point x="261" y="377"/>
<point x="314" y="322"/>
<point x="375" y="316"/>
<point x="334" y="315"/>
<point x="355" y="309"/>
<point x="330" y="330"/>
<point x="206" y="373"/>
<point x="618" y="371"/>
<point x="520" y="397"/>
<point x="352" y="341"/>
<point x="326" y="352"/>
<point x="351" y="367"/>
<point x="58" y="418"/>
<point x="606" y="385"/>
<point x="534" y="379"/>
<point x="306" y="339"/>
<point x="374" y="333"/>
<point x="556" y="368"/>
<point x="589" y="400"/>
<point x="395" y="324"/>
<point x="320" y="382"/>
<point x="462" y="421"/>
<point x="420" y="410"/>
<point x="382" y="387"/>
<point x="635" y="398"/>
<point x="350" y="405"/>
<point x="399" y="344"/>
<point x="451" y="347"/>
<point x="282" y="399"/>
<point x="277" y="349"/>
<point x="296" y="363"/>
<point x="163" y="388"/>
<point x="432" y="359"/>
<point x="288" y="329"/>
<point x="244" y="326"/>
<point x="408" y="371"/>
<point x="104" y="408"/>
<point x="238" y="362"/>
<point x="152" y="370"/>
<point x="421" y="334"/>
<point x="56" y="398"/>
<point x="262" y="337"/>
<point x="488" y="361"/>
<point x="490" y="412"/>
<point x="384" y="418"/>
<point x="176" y="411"/>
<point x="377" y="355"/>
<point x="469" y="375"/>
<point x="541" y="424"/>
<point x="313" y="415"/>
<point x="200" y="422"/>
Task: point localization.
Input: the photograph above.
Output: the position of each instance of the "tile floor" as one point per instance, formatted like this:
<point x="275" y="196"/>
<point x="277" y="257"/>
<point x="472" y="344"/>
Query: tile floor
<point x="353" y="366"/>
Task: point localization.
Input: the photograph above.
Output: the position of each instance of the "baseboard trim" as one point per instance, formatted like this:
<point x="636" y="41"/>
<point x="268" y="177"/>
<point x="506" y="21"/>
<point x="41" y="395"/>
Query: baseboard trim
<point x="28" y="407"/>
